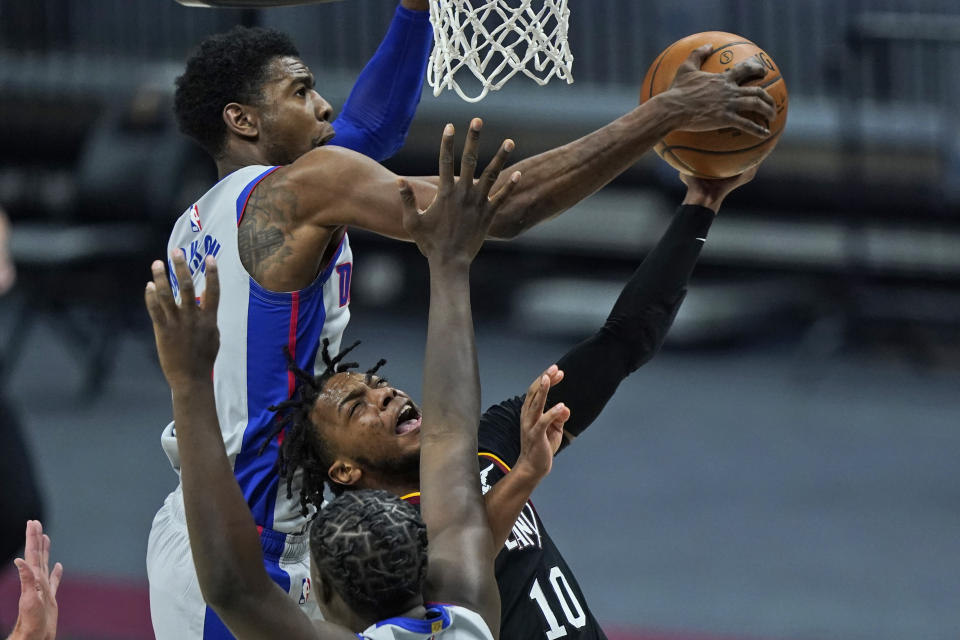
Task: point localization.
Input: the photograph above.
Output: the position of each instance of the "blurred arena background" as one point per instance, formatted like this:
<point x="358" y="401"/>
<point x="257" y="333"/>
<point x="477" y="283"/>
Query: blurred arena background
<point x="786" y="468"/>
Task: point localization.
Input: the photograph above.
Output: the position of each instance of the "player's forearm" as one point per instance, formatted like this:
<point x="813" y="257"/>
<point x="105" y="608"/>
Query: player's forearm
<point x="376" y="116"/>
<point x="223" y="535"/>
<point x="555" y="180"/>
<point x="506" y="500"/>
<point x="638" y="323"/>
<point x="451" y="407"/>
<point x="451" y="381"/>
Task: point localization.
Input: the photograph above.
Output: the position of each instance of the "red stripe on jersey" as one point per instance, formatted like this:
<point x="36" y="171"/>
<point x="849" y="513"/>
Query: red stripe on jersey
<point x="292" y="346"/>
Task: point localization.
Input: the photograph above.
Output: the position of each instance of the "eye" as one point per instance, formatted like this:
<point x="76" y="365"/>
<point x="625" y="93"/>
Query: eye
<point x="382" y="382"/>
<point x="302" y="92"/>
<point x="354" y="407"/>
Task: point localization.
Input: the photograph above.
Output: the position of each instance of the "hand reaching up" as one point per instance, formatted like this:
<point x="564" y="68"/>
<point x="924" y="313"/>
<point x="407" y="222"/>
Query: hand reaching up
<point x="541" y="432"/>
<point x="710" y="193"/>
<point x="454" y="226"/>
<point x="37" y="615"/>
<point x="186" y="333"/>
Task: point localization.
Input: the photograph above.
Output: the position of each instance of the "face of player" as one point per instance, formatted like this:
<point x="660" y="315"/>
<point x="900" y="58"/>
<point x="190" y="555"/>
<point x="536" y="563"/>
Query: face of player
<point x="372" y="430"/>
<point x="294" y="118"/>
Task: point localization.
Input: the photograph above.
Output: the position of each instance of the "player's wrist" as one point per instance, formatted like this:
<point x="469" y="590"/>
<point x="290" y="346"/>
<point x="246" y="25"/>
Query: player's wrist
<point x="671" y="110"/>
<point x="701" y="199"/>
<point x="449" y="266"/>
<point x="527" y="473"/>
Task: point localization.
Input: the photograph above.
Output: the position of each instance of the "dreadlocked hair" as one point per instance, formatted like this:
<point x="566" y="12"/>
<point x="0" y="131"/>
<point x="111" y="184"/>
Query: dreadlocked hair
<point x="371" y="547"/>
<point x="302" y="447"/>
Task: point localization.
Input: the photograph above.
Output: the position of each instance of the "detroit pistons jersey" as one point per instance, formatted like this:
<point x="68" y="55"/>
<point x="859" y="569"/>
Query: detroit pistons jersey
<point x="443" y="622"/>
<point x="251" y="372"/>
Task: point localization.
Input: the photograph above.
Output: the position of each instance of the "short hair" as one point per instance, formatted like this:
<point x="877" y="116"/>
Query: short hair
<point x="302" y="447"/>
<point x="371" y="548"/>
<point x="226" y="67"/>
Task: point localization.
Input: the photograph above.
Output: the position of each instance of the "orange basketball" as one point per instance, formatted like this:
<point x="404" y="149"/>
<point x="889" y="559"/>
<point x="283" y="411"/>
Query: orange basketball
<point x="724" y="152"/>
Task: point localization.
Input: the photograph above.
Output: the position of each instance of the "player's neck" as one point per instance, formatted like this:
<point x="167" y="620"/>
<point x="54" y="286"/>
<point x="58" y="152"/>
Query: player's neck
<point x="419" y="612"/>
<point x="400" y="482"/>
<point x="359" y="624"/>
<point x="238" y="156"/>
<point x="394" y="485"/>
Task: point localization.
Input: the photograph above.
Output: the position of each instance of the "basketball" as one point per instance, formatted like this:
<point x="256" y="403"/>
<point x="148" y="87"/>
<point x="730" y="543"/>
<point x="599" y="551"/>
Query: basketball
<point x="725" y="152"/>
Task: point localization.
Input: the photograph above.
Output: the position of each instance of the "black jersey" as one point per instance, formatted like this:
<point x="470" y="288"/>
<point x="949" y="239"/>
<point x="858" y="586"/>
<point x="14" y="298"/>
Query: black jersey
<point x="539" y="595"/>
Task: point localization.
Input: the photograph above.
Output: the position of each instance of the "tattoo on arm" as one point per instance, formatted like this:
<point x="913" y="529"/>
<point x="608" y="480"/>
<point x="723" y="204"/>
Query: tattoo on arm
<point x="265" y="236"/>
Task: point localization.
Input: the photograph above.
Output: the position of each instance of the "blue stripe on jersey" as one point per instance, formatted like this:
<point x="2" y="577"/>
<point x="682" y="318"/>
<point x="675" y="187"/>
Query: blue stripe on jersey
<point x="247" y="190"/>
<point x="420" y="626"/>
<point x="213" y="627"/>
<point x="270" y="327"/>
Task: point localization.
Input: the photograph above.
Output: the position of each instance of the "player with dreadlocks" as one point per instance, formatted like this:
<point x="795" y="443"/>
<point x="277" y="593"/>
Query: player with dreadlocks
<point x="332" y="449"/>
<point x="370" y="568"/>
<point x="306" y="451"/>
<point x="277" y="223"/>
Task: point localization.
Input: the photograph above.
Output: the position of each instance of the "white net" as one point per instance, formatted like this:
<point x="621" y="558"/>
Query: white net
<point x="494" y="40"/>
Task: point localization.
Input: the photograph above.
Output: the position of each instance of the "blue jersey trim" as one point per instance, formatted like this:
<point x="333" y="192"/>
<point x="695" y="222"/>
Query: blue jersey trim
<point x="284" y="297"/>
<point x="213" y="627"/>
<point x="275" y="320"/>
<point x="247" y="190"/>
<point x="418" y="625"/>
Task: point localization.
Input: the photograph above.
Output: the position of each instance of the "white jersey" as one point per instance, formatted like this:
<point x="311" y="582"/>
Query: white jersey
<point x="443" y="622"/>
<point x="250" y="373"/>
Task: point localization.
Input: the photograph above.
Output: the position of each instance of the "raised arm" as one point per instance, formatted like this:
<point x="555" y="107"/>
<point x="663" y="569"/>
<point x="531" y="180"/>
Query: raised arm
<point x="645" y="310"/>
<point x="336" y="188"/>
<point x="449" y="233"/>
<point x="376" y="117"/>
<point x="223" y="536"/>
<point x="697" y="101"/>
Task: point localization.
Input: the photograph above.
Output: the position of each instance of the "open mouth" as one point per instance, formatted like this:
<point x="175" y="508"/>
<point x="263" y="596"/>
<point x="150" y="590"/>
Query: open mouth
<point x="326" y="137"/>
<point x="408" y="419"/>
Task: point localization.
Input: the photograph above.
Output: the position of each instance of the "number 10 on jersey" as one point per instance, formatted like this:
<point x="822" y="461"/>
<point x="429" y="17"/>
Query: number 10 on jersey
<point x="571" y="607"/>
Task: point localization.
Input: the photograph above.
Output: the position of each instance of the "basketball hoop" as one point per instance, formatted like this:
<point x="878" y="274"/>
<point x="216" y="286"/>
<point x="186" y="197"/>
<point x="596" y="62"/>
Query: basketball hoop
<point x="496" y="39"/>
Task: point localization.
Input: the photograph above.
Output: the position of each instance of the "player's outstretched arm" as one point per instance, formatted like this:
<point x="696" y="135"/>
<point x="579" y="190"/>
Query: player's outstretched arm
<point x="37" y="609"/>
<point x="376" y="117"/>
<point x="333" y="188"/>
<point x="450" y="233"/>
<point x="223" y="536"/>
<point x="645" y="310"/>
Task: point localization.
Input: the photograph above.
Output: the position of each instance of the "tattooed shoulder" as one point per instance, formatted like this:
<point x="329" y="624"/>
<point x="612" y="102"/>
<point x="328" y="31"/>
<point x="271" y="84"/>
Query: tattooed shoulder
<point x="265" y="234"/>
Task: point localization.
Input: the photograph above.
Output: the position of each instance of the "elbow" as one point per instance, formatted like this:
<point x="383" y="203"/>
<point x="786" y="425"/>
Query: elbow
<point x="644" y="347"/>
<point x="635" y="346"/>
<point x="221" y="589"/>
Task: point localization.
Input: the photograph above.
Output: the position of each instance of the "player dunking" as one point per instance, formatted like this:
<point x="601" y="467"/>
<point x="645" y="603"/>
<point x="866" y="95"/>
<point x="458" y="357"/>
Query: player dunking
<point x="276" y="223"/>
<point x="373" y="571"/>
<point x="245" y="69"/>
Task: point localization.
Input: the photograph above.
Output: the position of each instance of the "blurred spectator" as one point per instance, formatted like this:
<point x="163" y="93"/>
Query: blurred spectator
<point x="19" y="495"/>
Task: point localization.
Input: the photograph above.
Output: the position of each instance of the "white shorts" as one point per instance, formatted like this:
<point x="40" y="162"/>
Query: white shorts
<point x="176" y="605"/>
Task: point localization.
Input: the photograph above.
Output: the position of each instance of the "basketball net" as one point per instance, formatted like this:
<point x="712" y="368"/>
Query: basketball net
<point x="496" y="39"/>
